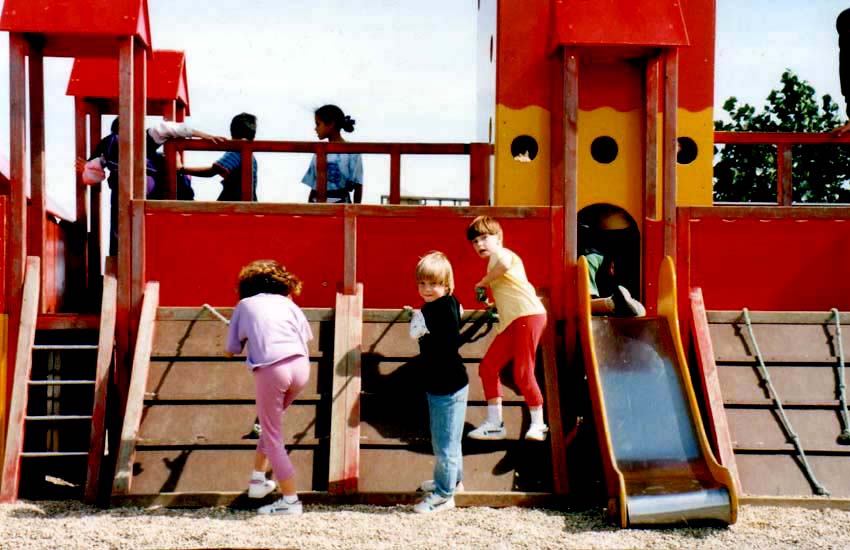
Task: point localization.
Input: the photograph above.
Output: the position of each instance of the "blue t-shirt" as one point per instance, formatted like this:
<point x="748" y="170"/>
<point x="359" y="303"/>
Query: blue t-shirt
<point x="231" y="182"/>
<point x="344" y="172"/>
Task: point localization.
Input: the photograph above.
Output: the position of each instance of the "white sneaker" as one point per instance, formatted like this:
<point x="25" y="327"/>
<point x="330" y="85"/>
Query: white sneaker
<point x="258" y="488"/>
<point x="537" y="432"/>
<point x="429" y="486"/>
<point x="489" y="430"/>
<point x="434" y="503"/>
<point x="280" y="506"/>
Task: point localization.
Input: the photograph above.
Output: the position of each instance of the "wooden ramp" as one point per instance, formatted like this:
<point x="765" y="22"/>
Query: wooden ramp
<point x="358" y="433"/>
<point x="56" y="436"/>
<point x="659" y="467"/>
<point x="801" y="354"/>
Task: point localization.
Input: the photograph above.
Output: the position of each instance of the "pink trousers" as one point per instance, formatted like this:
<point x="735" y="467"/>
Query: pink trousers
<point x="519" y="343"/>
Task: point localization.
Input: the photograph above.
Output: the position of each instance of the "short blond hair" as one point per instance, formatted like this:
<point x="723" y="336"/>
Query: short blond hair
<point x="435" y="267"/>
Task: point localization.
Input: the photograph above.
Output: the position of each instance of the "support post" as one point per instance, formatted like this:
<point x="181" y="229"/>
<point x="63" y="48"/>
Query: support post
<point x="669" y="146"/>
<point x="38" y="191"/>
<point x="784" y="166"/>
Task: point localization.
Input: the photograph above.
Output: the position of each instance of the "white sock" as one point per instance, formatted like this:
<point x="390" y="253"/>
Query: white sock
<point x="536" y="415"/>
<point x="494" y="414"/>
<point x="290" y="499"/>
<point x="258" y="475"/>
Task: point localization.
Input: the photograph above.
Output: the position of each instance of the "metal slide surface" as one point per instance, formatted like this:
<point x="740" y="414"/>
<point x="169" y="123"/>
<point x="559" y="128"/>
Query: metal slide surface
<point x="658" y="465"/>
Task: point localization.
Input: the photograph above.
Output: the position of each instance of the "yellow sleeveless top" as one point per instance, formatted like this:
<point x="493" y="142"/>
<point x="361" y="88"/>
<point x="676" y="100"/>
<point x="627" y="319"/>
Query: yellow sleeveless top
<point x="514" y="295"/>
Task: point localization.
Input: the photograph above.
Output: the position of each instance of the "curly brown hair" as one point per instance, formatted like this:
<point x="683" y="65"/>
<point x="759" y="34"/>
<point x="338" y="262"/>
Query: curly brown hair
<point x="267" y="277"/>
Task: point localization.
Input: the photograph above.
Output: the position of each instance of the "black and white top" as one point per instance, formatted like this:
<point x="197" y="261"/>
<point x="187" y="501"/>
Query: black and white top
<point x="441" y="367"/>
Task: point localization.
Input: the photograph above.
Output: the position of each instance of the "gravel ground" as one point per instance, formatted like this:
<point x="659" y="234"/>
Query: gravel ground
<point x="70" y="525"/>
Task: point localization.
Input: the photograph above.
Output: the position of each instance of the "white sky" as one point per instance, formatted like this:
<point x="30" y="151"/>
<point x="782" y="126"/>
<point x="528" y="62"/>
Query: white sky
<point x="404" y="69"/>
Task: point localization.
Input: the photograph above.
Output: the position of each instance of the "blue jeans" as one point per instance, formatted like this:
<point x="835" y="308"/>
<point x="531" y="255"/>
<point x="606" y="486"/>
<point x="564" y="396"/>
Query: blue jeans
<point x="448" y="413"/>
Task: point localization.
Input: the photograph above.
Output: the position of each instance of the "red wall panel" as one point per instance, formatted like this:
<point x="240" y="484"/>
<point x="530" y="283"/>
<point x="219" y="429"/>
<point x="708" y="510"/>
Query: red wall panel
<point x="772" y="264"/>
<point x="4" y="240"/>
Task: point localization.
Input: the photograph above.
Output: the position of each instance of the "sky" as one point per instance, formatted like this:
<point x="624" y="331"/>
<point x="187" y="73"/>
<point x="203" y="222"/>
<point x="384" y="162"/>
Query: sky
<point x="404" y="69"/>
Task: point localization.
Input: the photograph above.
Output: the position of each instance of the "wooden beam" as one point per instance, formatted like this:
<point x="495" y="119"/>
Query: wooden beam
<point x="96" y="195"/>
<point x="137" y="210"/>
<point x="247" y="173"/>
<point x="20" y="386"/>
<point x="105" y="349"/>
<point x="650" y="156"/>
<point x="38" y="189"/>
<point x="322" y="172"/>
<point x="669" y="149"/>
<point x="136" y="393"/>
<point x="718" y="426"/>
<point x="784" y="179"/>
<point x="395" y="176"/>
<point x="344" y="460"/>
<point x="570" y="71"/>
<point x="349" y="276"/>
<point x="560" y="481"/>
<point x="479" y="173"/>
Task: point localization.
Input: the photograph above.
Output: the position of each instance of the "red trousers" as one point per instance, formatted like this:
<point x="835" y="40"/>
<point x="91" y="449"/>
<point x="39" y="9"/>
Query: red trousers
<point x="519" y="343"/>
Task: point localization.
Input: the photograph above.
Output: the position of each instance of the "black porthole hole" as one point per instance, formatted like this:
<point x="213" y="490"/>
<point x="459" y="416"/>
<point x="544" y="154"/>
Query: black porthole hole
<point x="604" y="149"/>
<point x="524" y="148"/>
<point x="686" y="151"/>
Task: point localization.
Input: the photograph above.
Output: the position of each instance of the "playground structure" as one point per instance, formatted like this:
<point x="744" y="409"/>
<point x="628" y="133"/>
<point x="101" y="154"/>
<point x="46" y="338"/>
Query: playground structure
<point x="609" y="127"/>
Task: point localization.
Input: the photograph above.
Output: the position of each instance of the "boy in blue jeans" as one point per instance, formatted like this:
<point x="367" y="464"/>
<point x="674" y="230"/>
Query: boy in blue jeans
<point x="437" y="326"/>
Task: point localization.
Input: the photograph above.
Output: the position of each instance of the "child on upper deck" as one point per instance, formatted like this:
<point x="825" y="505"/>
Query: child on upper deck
<point x="522" y="318"/>
<point x="345" y="170"/>
<point x="437" y="326"/>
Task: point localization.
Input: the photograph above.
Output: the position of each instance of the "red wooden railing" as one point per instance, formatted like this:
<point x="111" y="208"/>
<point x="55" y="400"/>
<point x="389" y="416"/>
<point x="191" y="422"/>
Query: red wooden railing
<point x="479" y="161"/>
<point x="783" y="141"/>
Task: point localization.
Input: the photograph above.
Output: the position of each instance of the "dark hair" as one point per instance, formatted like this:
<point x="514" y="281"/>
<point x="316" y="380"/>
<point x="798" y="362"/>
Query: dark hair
<point x="267" y="277"/>
<point x="483" y="225"/>
<point x="243" y="126"/>
<point x="114" y="127"/>
<point x="331" y="114"/>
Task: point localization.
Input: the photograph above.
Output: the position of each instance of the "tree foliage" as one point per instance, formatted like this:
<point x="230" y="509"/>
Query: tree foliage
<point x="747" y="173"/>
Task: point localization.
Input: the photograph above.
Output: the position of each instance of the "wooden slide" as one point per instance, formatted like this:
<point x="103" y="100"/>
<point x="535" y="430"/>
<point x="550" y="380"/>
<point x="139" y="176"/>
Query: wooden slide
<point x="659" y="467"/>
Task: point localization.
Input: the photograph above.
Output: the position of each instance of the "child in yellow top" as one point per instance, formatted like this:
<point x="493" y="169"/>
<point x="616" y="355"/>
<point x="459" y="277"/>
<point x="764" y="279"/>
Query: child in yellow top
<point x="522" y="318"/>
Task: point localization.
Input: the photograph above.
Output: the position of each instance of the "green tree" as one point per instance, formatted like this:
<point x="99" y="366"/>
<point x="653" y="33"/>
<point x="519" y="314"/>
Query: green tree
<point x="747" y="173"/>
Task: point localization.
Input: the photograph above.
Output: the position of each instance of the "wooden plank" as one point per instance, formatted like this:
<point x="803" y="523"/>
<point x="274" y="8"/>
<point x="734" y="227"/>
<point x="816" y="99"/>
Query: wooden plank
<point x="238" y="500"/>
<point x="96" y="193"/>
<point x="371" y="148"/>
<point x="479" y="173"/>
<point x="779" y="317"/>
<point x="552" y="391"/>
<point x="793" y="383"/>
<point x="349" y="276"/>
<point x="68" y="321"/>
<point x="718" y="425"/>
<point x="787" y="138"/>
<point x="650" y="143"/>
<point x="170" y="158"/>
<point x="20" y="389"/>
<point x="137" y="213"/>
<point x="80" y="152"/>
<point x="777" y="343"/>
<point x="780" y="475"/>
<point x="105" y="354"/>
<point x="817" y="429"/>
<point x="771" y="212"/>
<point x="669" y="148"/>
<point x="784" y="181"/>
<point x="246" y="173"/>
<point x="202" y="314"/>
<point x="395" y="175"/>
<point x="809" y="503"/>
<point x="17" y="247"/>
<point x="344" y="460"/>
<point x="135" y="395"/>
<point x="322" y="172"/>
<point x="38" y="189"/>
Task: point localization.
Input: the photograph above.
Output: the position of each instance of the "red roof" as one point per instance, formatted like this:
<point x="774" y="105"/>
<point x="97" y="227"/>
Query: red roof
<point x="71" y="25"/>
<point x="166" y="79"/>
<point x="641" y="23"/>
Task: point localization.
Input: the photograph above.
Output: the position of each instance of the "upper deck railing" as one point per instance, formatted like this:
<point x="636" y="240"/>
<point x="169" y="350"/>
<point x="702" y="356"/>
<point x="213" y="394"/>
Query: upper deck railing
<point x="784" y="141"/>
<point x="479" y="161"/>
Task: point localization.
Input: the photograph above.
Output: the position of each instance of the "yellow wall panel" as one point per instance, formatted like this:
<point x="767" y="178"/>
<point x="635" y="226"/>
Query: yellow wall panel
<point x="522" y="183"/>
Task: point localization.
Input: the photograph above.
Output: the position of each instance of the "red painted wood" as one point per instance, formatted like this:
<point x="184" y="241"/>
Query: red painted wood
<point x="97" y="192"/>
<point x="247" y="173"/>
<point x="321" y="172"/>
<point x="479" y="173"/>
<point x="787" y="138"/>
<point x="20" y="388"/>
<point x="4" y="233"/>
<point x="560" y="480"/>
<point x="395" y="176"/>
<point x="166" y="86"/>
<point x="79" y="21"/>
<point x="38" y="191"/>
<point x="669" y="146"/>
<point x="653" y="252"/>
<point x="788" y="262"/>
<point x="627" y="23"/>
<point x="784" y="183"/>
<point x="650" y="143"/>
<point x="718" y="426"/>
<point x="349" y="274"/>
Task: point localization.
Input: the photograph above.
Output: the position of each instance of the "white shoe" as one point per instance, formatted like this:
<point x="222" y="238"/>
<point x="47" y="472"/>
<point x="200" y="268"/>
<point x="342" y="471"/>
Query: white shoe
<point x="281" y="507"/>
<point x="429" y="486"/>
<point x="434" y="503"/>
<point x="537" y="432"/>
<point x="258" y="488"/>
<point x="489" y="430"/>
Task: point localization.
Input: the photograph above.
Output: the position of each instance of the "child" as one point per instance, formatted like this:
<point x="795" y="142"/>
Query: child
<point x="603" y="281"/>
<point x="229" y="166"/>
<point x="522" y="318"/>
<point x="276" y="333"/>
<point x="446" y="383"/>
<point x="345" y="171"/>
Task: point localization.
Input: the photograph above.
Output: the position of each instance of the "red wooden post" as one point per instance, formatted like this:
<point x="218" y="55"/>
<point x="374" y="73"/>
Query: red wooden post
<point x="170" y="184"/>
<point x="650" y="183"/>
<point x="479" y="174"/>
<point x="38" y="192"/>
<point x="94" y="248"/>
<point x="137" y="225"/>
<point x="321" y="172"/>
<point x="784" y="180"/>
<point x="395" y="175"/>
<point x="570" y="72"/>
<point x="349" y="277"/>
<point x="669" y="147"/>
<point x="247" y="171"/>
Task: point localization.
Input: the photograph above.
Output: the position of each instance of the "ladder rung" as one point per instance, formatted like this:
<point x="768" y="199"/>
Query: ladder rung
<point x="64" y="346"/>
<point x="61" y="382"/>
<point x="54" y="453"/>
<point x="58" y="417"/>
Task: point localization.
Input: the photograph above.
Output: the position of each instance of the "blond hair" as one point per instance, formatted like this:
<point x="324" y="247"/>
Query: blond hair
<point x="483" y="225"/>
<point x="435" y="267"/>
<point x="267" y="277"/>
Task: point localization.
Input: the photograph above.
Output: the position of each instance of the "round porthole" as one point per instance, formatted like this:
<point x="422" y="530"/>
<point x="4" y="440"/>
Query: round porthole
<point x="686" y="151"/>
<point x="524" y="148"/>
<point x="604" y="149"/>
